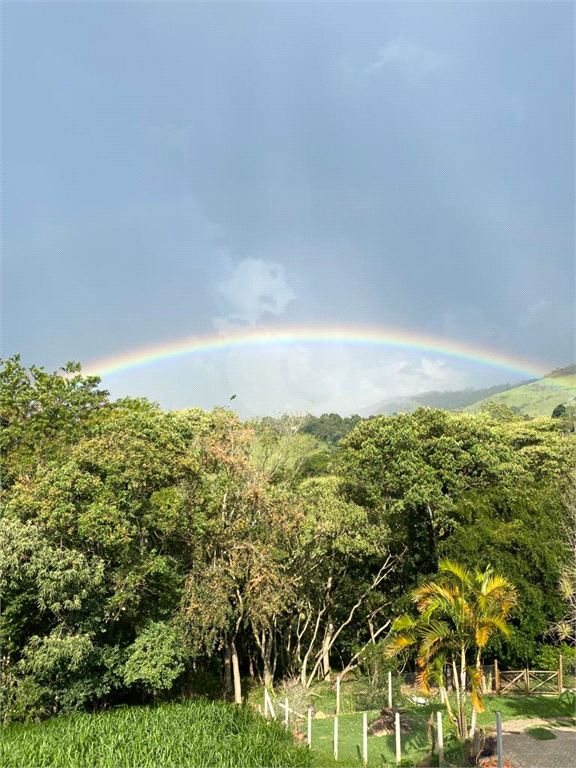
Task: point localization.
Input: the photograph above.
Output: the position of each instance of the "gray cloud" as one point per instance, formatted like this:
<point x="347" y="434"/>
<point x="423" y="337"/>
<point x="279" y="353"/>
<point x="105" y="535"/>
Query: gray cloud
<point x="425" y="183"/>
<point x="255" y="288"/>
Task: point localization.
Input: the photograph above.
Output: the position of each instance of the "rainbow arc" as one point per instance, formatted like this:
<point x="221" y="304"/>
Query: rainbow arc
<point x="367" y="336"/>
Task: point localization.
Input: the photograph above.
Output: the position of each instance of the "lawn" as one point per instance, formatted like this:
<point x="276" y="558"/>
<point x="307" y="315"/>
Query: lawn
<point x="381" y="749"/>
<point x="416" y="743"/>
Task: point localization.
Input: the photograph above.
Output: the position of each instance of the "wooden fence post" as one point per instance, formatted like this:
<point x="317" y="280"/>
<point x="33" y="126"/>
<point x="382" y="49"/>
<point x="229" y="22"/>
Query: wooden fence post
<point x="527" y="681"/>
<point x="337" y="696"/>
<point x="560" y="676"/>
<point x="398" y="741"/>
<point x="389" y="690"/>
<point x="496" y="678"/>
<point x="440" y="738"/>
<point x="309" y="734"/>
<point x="365" y="738"/>
<point x="265" y="703"/>
<point x="336" y="738"/>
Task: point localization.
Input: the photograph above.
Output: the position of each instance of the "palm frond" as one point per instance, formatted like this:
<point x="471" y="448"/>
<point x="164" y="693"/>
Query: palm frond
<point x="476" y="677"/>
<point x="460" y="571"/>
<point x="405" y="621"/>
<point x="399" y="644"/>
<point x="450" y="591"/>
<point x="497" y="622"/>
<point x="423" y="679"/>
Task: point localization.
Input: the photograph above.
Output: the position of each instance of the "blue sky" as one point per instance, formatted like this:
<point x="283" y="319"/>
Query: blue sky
<point x="173" y="168"/>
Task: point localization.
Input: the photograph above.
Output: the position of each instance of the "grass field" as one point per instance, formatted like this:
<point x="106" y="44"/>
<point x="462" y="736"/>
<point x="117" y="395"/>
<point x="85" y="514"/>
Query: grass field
<point x="416" y="744"/>
<point x="197" y="733"/>
<point x="539" y="398"/>
<point x="200" y="733"/>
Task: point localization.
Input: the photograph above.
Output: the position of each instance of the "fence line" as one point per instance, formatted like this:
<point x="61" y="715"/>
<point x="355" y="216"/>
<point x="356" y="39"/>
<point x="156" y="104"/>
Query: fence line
<point x="430" y="736"/>
<point x="410" y="732"/>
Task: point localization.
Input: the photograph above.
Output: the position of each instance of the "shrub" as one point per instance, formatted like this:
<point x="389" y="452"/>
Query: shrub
<point x="155" y="659"/>
<point x="547" y="657"/>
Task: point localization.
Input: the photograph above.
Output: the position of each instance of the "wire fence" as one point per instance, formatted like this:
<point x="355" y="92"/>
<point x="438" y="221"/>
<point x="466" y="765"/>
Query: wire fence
<point x="393" y="722"/>
<point x="392" y="737"/>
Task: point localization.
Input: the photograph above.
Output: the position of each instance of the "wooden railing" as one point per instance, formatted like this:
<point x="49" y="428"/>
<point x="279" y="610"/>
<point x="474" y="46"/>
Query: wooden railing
<point x="528" y="681"/>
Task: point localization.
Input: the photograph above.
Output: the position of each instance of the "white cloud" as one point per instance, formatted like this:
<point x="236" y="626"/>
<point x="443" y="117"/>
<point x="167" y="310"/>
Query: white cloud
<point x="412" y="62"/>
<point x="254" y="289"/>
<point x="325" y="378"/>
<point x="404" y="378"/>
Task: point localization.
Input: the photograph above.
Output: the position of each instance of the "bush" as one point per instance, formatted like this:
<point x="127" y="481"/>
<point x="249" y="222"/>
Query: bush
<point x="156" y="659"/>
<point x="547" y="658"/>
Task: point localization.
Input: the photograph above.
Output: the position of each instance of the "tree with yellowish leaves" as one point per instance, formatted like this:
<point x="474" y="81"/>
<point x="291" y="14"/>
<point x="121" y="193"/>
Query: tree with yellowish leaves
<point x="459" y="611"/>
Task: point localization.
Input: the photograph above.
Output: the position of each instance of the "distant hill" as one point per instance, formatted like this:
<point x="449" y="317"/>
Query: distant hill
<point x="448" y="401"/>
<point x="536" y="398"/>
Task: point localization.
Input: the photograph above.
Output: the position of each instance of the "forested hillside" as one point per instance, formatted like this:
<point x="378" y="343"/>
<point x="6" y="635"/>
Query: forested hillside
<point x="148" y="554"/>
<point x="451" y="400"/>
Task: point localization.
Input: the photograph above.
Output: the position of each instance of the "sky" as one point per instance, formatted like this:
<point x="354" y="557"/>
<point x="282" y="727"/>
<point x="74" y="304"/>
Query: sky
<point x="173" y="169"/>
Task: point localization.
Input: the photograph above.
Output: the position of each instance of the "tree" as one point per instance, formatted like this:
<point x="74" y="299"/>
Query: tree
<point x="43" y="413"/>
<point x="92" y="553"/>
<point x="474" y="488"/>
<point x="559" y="412"/>
<point x="341" y="558"/>
<point x="565" y="628"/>
<point x="237" y="577"/>
<point x="459" y="611"/>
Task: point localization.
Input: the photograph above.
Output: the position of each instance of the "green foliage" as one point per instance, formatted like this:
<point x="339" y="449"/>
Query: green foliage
<point x="284" y="454"/>
<point x="546" y="657"/>
<point x="330" y="427"/>
<point x="156" y="658"/>
<point x="490" y="488"/>
<point x="42" y="413"/>
<point x="140" y="547"/>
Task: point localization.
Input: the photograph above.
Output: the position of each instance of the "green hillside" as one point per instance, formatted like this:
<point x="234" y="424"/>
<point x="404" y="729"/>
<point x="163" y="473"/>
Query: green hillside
<point x="538" y="398"/>
<point x="453" y="400"/>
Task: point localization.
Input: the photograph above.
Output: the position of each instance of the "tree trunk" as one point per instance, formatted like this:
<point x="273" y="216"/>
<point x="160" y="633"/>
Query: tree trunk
<point x="236" y="673"/>
<point x="463" y="691"/>
<point x="268" y="675"/>
<point x="456" y="686"/>
<point x="326" y="645"/>
<point x="263" y="638"/>
<point x="227" y="670"/>
<point x="474" y="714"/>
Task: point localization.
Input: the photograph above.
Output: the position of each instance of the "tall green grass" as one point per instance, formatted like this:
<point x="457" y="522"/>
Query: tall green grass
<point x="197" y="733"/>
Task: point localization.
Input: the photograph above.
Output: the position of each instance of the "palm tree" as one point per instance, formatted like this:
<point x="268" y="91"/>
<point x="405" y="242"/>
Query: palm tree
<point x="459" y="611"/>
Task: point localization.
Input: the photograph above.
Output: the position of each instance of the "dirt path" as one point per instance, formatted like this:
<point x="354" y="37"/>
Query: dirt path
<point x="519" y="726"/>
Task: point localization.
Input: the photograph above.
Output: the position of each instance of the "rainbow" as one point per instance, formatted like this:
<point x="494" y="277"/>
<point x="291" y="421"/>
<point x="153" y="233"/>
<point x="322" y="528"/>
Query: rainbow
<point x="368" y="336"/>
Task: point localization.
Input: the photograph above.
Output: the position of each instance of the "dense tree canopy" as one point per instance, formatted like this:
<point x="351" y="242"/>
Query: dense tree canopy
<point x="142" y="549"/>
<point x="482" y="489"/>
